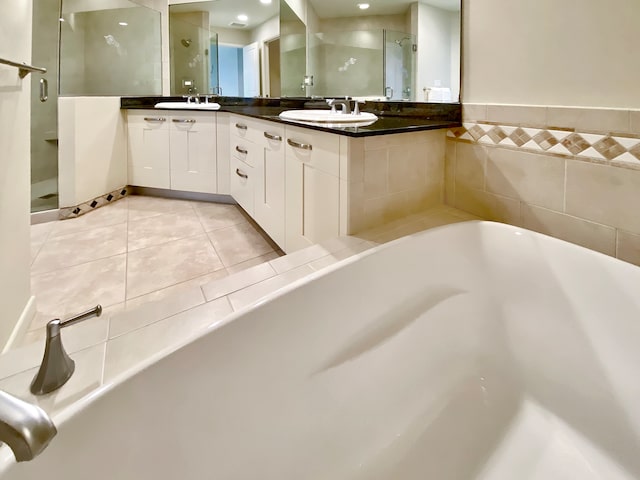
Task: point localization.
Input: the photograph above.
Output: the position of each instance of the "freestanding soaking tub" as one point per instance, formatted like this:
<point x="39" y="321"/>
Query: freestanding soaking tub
<point x="473" y="351"/>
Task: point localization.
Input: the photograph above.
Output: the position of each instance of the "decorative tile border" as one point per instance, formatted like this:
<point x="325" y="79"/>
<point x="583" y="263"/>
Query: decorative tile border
<point x="622" y="150"/>
<point x="79" y="210"/>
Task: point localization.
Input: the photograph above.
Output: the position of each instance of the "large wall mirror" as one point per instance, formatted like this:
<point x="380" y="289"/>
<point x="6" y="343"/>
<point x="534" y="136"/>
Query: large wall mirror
<point x="399" y="50"/>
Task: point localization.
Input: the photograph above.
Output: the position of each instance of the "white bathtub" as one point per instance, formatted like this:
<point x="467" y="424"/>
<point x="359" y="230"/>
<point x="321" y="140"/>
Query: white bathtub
<point x="473" y="351"/>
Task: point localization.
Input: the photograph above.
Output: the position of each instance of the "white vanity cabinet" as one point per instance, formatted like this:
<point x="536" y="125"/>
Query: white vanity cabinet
<point x="312" y="209"/>
<point x="172" y="150"/>
<point x="257" y="150"/>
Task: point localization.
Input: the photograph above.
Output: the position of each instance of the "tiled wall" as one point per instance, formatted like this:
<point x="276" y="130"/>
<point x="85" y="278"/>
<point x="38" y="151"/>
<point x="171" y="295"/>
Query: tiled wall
<point x="391" y="176"/>
<point x="573" y="173"/>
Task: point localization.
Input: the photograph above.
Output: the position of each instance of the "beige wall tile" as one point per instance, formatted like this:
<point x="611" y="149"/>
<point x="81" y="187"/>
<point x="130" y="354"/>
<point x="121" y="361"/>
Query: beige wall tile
<point x="470" y="165"/>
<point x="474" y="112"/>
<point x="407" y="167"/>
<point x="449" y="171"/>
<point x="590" y="119"/>
<point x="376" y="173"/>
<point x="635" y="122"/>
<point x="629" y="247"/>
<point x="572" y="229"/>
<point x="356" y="160"/>
<point x="604" y="194"/>
<point x="533" y="178"/>
<point x="400" y="139"/>
<point x="517" y="114"/>
<point x="487" y="205"/>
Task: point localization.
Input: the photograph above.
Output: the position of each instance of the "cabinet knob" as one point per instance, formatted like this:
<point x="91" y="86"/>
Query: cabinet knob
<point x="240" y="174"/>
<point x="303" y="146"/>
<point x="241" y="150"/>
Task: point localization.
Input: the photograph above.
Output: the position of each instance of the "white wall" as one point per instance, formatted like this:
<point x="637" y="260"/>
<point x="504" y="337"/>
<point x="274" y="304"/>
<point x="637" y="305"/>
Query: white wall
<point x="15" y="44"/>
<point x="550" y="52"/>
<point x="93" y="148"/>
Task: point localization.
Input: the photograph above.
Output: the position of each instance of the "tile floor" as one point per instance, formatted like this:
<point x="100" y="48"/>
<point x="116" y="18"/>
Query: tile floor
<point x="136" y="250"/>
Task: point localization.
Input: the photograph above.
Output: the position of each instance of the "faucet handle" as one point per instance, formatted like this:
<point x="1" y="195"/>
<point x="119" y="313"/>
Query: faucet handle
<point x="188" y="97"/>
<point x="356" y="108"/>
<point x="332" y="103"/>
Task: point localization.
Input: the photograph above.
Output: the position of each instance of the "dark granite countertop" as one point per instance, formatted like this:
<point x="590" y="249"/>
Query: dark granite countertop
<point x="393" y="117"/>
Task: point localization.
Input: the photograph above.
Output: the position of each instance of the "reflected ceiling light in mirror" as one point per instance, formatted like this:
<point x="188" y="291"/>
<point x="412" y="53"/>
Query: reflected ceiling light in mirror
<point x="242" y="17"/>
<point x="363" y="6"/>
<point x="123" y="24"/>
<point x="266" y="2"/>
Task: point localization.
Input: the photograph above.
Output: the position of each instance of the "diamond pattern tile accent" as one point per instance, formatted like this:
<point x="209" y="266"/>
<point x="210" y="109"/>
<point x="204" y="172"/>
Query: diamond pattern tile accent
<point x="519" y="137"/>
<point x="476" y="132"/>
<point x="545" y="140"/>
<point x="635" y="151"/>
<point x="609" y="148"/>
<point x="575" y="143"/>
<point x="497" y="134"/>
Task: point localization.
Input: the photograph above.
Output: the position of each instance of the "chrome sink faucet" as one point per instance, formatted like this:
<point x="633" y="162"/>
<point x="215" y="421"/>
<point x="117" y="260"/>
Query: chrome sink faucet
<point x="24" y="427"/>
<point x="346" y="105"/>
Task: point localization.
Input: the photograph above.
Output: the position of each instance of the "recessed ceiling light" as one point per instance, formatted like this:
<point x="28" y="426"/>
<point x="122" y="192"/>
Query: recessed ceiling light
<point x="363" y="6"/>
<point x="266" y="2"/>
<point x="123" y="24"/>
<point x="242" y="17"/>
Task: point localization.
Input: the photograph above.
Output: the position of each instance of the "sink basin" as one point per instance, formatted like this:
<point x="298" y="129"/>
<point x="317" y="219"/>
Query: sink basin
<point x="325" y="116"/>
<point x="188" y="106"/>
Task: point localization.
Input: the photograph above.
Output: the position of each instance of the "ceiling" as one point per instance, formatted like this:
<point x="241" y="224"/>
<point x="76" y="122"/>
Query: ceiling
<point x="224" y="12"/>
<point x="349" y="8"/>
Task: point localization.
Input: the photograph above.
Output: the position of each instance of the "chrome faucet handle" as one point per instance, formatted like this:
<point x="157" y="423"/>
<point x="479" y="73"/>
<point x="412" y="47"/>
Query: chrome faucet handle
<point x="356" y="108"/>
<point x="188" y="97"/>
<point x="346" y="107"/>
<point x="57" y="367"/>
<point x="330" y="102"/>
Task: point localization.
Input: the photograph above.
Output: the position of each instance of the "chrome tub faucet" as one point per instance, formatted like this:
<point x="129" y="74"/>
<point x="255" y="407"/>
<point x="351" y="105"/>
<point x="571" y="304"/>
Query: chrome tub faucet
<point x="24" y="427"/>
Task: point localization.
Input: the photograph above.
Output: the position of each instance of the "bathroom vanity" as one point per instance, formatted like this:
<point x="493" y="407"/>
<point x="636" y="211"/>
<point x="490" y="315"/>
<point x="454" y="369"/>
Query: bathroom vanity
<point x="302" y="183"/>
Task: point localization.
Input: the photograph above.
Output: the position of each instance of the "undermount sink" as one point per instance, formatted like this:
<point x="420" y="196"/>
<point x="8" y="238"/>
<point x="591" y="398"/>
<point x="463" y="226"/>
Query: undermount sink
<point x="326" y="116"/>
<point x="188" y="106"/>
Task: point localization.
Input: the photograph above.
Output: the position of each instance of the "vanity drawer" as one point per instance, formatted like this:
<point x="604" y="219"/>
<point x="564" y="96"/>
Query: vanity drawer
<point x="242" y="180"/>
<point x="239" y="127"/>
<point x="244" y="150"/>
<point x="317" y="149"/>
<point x="148" y="119"/>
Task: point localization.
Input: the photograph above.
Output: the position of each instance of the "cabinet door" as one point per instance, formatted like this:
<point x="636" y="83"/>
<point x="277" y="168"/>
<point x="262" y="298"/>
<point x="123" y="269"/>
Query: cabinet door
<point x="148" y="156"/>
<point x="269" y="207"/>
<point x="193" y="153"/>
<point x="312" y="188"/>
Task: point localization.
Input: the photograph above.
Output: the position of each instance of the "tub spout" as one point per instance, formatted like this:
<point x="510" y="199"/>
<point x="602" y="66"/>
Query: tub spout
<point x="24" y="427"/>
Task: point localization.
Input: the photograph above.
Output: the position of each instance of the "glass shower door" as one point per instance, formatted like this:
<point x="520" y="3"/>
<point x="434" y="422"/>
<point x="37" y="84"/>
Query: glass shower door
<point x="44" y="106"/>
<point x="399" y="65"/>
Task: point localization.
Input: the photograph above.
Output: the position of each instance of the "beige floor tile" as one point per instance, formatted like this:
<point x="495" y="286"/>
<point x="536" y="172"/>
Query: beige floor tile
<point x="144" y="207"/>
<point x="214" y="216"/>
<point x="68" y="291"/>
<point x="160" y="229"/>
<point x="41" y="231"/>
<point x="253" y="262"/>
<point x="154" y="310"/>
<point x="161" y="266"/>
<point x="250" y="295"/>
<point x="238" y="281"/>
<point x="76" y="248"/>
<point x="239" y="243"/>
<point x="177" y="289"/>
<point x="102" y="217"/>
<point x="129" y="351"/>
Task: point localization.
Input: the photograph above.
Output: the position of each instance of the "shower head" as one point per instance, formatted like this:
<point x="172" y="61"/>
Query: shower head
<point x="186" y="42"/>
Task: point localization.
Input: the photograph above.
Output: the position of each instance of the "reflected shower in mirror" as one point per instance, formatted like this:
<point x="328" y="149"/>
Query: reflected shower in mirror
<point x="216" y="47"/>
<point x="400" y="50"/>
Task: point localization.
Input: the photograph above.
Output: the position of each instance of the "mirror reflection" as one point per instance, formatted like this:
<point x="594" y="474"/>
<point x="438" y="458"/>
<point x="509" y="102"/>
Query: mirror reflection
<point x="398" y="50"/>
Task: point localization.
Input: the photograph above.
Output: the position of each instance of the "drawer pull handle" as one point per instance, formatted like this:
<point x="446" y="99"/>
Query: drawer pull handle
<point x="241" y="126"/>
<point x="273" y="137"/>
<point x="240" y="174"/>
<point x="183" y="120"/>
<point x="304" y="146"/>
<point x="241" y="150"/>
<point x="155" y="119"/>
